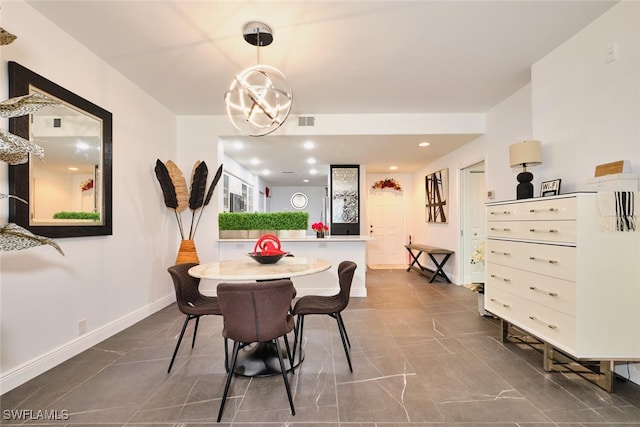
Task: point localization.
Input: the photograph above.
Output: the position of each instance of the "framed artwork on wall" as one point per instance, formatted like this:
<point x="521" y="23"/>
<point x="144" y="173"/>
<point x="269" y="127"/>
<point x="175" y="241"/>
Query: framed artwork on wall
<point x="345" y="199"/>
<point x="550" y="188"/>
<point x="436" y="194"/>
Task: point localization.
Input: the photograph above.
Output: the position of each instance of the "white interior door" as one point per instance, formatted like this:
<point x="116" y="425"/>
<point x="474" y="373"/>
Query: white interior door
<point x="473" y="214"/>
<point x="386" y="225"/>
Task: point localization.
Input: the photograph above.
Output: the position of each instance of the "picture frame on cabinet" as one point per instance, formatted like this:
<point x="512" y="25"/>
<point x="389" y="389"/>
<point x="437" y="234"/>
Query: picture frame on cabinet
<point x="550" y="188"/>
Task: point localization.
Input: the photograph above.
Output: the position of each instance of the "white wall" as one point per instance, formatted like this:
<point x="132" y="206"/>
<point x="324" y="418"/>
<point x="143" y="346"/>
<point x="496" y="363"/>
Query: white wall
<point x="587" y="111"/>
<point x="110" y="281"/>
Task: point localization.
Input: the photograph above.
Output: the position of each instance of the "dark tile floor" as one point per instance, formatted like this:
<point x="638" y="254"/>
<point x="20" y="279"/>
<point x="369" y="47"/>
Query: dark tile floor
<point x="422" y="356"/>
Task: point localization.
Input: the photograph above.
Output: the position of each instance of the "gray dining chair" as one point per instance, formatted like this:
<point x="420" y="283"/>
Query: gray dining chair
<point x="330" y="305"/>
<point x="256" y="312"/>
<point x="191" y="302"/>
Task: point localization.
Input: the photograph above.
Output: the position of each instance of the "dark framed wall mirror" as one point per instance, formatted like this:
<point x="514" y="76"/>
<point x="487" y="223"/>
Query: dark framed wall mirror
<point x="68" y="192"/>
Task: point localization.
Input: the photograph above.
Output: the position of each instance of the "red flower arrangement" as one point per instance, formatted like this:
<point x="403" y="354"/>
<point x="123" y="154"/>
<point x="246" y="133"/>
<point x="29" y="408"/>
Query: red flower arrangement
<point x="387" y="183"/>
<point x="319" y="227"/>
<point x="86" y="185"/>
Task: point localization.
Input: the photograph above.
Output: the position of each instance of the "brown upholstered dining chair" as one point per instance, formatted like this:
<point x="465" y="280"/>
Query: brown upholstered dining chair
<point x="330" y="305"/>
<point x="191" y="302"/>
<point x="256" y="312"/>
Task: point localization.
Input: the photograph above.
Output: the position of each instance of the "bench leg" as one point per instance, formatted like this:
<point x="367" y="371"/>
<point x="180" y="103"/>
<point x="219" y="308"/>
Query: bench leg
<point x="439" y="266"/>
<point x="415" y="260"/>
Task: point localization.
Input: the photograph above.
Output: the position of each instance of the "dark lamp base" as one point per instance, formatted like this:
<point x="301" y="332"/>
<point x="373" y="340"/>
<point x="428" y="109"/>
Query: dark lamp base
<point x="524" y="190"/>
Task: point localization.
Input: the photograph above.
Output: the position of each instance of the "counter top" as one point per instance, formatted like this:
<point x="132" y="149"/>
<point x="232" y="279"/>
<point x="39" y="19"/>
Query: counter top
<point x="309" y="239"/>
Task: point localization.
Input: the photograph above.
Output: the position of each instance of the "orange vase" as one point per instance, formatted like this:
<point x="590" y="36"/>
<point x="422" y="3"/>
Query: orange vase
<point x="187" y="252"/>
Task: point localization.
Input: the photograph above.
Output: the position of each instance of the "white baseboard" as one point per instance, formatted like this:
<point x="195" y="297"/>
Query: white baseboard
<point x="31" y="369"/>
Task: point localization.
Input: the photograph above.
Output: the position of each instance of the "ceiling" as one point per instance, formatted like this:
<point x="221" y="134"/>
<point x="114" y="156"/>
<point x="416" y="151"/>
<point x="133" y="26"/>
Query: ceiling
<point x="341" y="57"/>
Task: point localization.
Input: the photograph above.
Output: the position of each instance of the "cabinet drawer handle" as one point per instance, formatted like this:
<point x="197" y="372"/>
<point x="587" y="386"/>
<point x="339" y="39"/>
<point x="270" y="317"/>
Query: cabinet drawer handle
<point x="544" y="210"/>
<point x="501" y="213"/>
<point x="550" y="261"/>
<point x="533" y="230"/>
<point x="548" y="325"/>
<point x="542" y="291"/>
<point x="500" y="253"/>
<point x="500" y="303"/>
<point x="504" y="279"/>
<point x="500" y="229"/>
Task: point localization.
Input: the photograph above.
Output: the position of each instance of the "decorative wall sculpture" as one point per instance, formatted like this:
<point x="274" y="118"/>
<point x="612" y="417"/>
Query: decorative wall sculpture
<point x="436" y="193"/>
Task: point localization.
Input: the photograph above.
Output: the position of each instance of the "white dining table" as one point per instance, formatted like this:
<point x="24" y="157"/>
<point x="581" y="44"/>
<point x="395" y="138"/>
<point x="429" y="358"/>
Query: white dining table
<point x="260" y="359"/>
<point x="246" y="269"/>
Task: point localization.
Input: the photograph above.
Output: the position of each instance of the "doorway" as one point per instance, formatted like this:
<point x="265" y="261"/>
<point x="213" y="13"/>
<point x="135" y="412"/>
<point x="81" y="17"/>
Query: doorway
<point x="472" y="234"/>
<point x="386" y="215"/>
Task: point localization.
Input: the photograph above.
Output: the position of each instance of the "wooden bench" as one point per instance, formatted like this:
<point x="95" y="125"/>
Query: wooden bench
<point x="431" y="251"/>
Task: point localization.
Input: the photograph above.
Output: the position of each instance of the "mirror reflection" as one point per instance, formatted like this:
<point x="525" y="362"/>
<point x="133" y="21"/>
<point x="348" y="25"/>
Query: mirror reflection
<point x="69" y="190"/>
<point x="66" y="186"/>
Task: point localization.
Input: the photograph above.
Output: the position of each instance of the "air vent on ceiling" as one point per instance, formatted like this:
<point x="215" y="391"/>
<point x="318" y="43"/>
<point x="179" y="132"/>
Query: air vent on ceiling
<point x="306" y="121"/>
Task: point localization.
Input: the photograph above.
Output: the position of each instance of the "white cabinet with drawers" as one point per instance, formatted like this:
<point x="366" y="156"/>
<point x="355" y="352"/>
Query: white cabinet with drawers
<point x="553" y="271"/>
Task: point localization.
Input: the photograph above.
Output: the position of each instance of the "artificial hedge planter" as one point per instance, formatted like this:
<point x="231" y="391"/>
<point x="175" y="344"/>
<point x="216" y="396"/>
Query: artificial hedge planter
<point x="251" y="225"/>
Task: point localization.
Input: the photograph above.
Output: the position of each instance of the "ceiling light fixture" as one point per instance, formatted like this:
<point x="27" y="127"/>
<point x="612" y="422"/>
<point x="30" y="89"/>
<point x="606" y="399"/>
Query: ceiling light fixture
<point x="259" y="98"/>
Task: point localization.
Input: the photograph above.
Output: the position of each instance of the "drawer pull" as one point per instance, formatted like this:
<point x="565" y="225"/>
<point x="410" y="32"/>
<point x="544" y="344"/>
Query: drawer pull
<point x="542" y="291"/>
<point x="550" y="261"/>
<point x="544" y="210"/>
<point x="533" y="230"/>
<point x="501" y="253"/>
<point x="504" y="279"/>
<point x="501" y="213"/>
<point x="500" y="229"/>
<point x="548" y="325"/>
<point x="498" y="302"/>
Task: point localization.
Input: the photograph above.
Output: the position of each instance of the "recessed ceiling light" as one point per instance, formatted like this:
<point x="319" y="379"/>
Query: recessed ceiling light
<point x="311" y="161"/>
<point x="393" y="168"/>
<point x="424" y="144"/>
<point x="266" y="172"/>
<point x="81" y="145"/>
<point x="305" y="180"/>
<point x="255" y="161"/>
<point x="238" y="145"/>
<point x="309" y="145"/>
<point x="313" y="171"/>
<point x="73" y="169"/>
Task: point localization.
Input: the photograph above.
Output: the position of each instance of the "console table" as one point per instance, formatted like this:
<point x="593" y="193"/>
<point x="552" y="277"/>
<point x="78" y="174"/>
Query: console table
<point x="431" y="251"/>
<point x="555" y="273"/>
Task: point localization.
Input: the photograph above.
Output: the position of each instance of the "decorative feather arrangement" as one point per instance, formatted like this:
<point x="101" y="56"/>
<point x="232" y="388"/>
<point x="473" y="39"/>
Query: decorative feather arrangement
<point x="14" y="238"/>
<point x="177" y="198"/>
<point x="25" y="104"/>
<point x="15" y="150"/>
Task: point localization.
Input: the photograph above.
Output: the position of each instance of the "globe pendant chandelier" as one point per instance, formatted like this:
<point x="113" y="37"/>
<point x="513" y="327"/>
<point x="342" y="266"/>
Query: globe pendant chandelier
<point x="259" y="98"/>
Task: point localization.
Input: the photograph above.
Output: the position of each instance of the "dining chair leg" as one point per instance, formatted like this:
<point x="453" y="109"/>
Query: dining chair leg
<point x="339" y="317"/>
<point x="298" y="336"/>
<point x="284" y="376"/>
<point x="343" y="334"/>
<point x="234" y="359"/>
<point x="175" y="352"/>
<point x="226" y="355"/>
<point x="289" y="356"/>
<point x="195" y="331"/>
